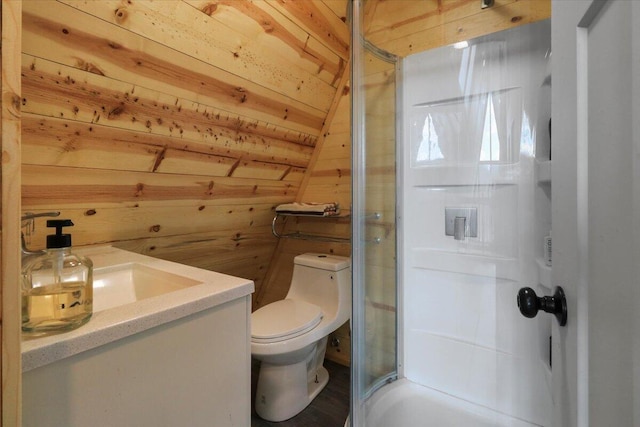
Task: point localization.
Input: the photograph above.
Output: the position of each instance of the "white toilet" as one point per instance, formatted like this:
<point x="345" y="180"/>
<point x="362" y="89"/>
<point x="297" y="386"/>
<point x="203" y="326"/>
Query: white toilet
<point x="289" y="337"/>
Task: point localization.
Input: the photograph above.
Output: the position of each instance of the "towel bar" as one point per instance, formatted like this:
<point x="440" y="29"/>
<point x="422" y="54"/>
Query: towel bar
<point x="315" y="237"/>
<point x="303" y="236"/>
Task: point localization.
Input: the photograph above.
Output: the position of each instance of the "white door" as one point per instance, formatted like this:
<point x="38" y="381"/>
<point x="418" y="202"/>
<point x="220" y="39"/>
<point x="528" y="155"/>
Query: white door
<point x="596" y="210"/>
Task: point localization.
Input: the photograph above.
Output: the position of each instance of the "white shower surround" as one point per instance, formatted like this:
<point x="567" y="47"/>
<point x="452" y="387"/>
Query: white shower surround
<point x="463" y="337"/>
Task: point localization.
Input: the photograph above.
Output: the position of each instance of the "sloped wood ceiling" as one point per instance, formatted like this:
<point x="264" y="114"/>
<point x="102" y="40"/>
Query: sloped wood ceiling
<point x="403" y="27"/>
<point x="173" y="128"/>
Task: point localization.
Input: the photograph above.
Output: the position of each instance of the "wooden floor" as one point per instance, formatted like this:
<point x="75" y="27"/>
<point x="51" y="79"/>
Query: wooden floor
<point x="329" y="409"/>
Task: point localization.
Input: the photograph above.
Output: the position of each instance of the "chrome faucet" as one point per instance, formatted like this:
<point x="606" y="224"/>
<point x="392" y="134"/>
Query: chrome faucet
<point x="27" y="220"/>
<point x="459" y="227"/>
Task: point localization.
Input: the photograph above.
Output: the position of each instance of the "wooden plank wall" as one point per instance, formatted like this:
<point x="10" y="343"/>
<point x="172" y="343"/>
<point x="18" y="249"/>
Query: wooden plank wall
<point x="173" y="128"/>
<point x="10" y="298"/>
<point x="328" y="180"/>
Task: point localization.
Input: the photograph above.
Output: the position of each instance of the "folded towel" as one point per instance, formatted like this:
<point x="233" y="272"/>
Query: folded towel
<point x="317" y="209"/>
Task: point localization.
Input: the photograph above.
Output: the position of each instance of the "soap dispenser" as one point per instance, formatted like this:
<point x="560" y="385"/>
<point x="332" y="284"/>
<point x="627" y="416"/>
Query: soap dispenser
<point x="57" y="286"/>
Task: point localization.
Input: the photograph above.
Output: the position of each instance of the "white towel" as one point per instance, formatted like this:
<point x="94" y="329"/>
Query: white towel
<point x="318" y="209"/>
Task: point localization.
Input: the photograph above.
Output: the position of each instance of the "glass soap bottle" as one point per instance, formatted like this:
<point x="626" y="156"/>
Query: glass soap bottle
<point x="57" y="286"/>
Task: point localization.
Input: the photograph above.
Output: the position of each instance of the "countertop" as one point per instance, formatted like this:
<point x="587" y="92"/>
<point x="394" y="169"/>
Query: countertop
<point x="115" y="323"/>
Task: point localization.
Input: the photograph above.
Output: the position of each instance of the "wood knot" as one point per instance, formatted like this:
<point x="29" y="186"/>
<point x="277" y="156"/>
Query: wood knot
<point x="121" y="15"/>
<point x="159" y="158"/>
<point x="115" y="112"/>
<point x="154" y="228"/>
<point x="267" y="27"/>
<point x="516" y="19"/>
<point x="16" y="102"/>
<point x="88" y="66"/>
<point x="209" y="8"/>
<point x="90" y="212"/>
<point x="69" y="146"/>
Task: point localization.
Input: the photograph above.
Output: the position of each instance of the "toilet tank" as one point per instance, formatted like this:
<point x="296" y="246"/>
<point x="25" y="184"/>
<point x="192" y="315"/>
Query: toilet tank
<point x="323" y="280"/>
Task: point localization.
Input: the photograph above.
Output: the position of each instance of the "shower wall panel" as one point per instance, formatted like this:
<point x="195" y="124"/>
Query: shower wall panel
<point x="472" y="117"/>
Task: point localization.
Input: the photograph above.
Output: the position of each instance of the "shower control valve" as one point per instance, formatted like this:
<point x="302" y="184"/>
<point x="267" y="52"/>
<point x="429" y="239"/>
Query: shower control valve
<point x="461" y="222"/>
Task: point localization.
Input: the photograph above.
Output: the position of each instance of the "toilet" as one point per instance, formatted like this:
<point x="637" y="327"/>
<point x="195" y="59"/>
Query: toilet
<point x="289" y="336"/>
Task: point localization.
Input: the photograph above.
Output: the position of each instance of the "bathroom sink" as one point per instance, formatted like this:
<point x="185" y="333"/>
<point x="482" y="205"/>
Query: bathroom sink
<point x="132" y="294"/>
<point x="122" y="284"/>
<point x="145" y="309"/>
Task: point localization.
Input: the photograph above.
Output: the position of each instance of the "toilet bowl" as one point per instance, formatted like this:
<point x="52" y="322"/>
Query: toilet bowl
<point x="289" y="336"/>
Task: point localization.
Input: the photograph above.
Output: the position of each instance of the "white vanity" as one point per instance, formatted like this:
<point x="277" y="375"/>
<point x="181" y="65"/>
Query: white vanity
<point x="168" y="345"/>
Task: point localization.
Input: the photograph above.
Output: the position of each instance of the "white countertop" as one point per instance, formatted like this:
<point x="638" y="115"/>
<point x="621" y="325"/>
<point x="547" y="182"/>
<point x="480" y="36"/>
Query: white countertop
<point x="125" y="320"/>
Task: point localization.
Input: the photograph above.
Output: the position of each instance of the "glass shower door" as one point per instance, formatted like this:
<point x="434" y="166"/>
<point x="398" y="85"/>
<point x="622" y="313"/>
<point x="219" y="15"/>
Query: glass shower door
<point x="374" y="331"/>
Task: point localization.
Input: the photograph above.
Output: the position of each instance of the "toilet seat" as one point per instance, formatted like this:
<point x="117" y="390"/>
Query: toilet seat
<point x="284" y="319"/>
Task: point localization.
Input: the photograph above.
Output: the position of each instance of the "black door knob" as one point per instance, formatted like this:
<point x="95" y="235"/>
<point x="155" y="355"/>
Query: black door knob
<point x="530" y="304"/>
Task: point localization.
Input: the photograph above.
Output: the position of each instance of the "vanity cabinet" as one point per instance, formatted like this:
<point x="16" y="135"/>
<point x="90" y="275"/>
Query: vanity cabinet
<point x="195" y="371"/>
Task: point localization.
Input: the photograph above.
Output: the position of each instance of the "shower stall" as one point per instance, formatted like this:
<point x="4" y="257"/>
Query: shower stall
<point x="451" y="217"/>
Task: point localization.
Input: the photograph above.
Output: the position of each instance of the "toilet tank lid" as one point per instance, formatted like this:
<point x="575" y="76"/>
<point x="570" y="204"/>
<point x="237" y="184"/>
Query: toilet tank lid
<point x="323" y="261"/>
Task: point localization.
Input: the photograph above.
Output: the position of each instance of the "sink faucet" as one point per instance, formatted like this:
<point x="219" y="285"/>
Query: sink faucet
<point x="27" y="220"/>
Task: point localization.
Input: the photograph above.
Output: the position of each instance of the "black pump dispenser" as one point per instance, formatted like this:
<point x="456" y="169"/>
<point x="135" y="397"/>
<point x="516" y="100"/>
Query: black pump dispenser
<point x="59" y="240"/>
<point x="57" y="286"/>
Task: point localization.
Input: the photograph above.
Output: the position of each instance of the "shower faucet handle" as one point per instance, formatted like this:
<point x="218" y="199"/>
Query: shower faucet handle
<point x="461" y="222"/>
<point x="459" y="226"/>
